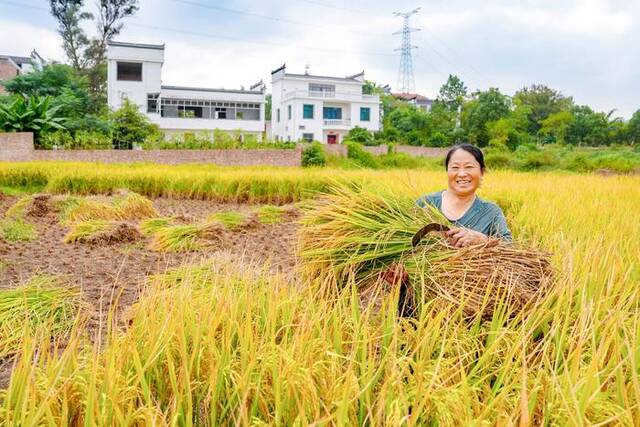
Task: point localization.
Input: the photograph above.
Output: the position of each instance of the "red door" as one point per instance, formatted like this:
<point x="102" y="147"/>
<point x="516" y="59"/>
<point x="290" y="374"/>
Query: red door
<point x="332" y="139"/>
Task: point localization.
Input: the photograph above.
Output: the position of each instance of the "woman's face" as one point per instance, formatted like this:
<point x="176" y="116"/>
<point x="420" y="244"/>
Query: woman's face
<point x="464" y="173"/>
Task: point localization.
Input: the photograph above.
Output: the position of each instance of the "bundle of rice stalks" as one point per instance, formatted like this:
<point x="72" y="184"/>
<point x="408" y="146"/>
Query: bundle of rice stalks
<point x="102" y="232"/>
<point x="40" y="304"/>
<point x="185" y="237"/>
<point x="130" y="206"/>
<point x="231" y="220"/>
<point x="353" y="236"/>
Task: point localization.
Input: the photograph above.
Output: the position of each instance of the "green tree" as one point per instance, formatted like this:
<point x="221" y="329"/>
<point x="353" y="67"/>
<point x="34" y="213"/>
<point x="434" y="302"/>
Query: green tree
<point x="69" y="16"/>
<point x="410" y="122"/>
<point x="267" y="106"/>
<point x="453" y="93"/>
<point x="88" y="55"/>
<point x="542" y="102"/>
<point x="484" y="108"/>
<point x="556" y="126"/>
<point x="588" y="127"/>
<point x="633" y="129"/>
<point x="360" y="135"/>
<point x="131" y="127"/>
<point x="372" y="88"/>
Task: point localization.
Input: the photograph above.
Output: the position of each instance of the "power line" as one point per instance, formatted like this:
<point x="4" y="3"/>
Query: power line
<point x="29" y="6"/>
<point x="223" y="37"/>
<point x="241" y="40"/>
<point x="271" y="18"/>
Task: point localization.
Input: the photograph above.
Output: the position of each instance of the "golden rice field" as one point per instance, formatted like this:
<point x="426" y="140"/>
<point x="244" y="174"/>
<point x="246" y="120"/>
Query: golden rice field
<point x="222" y="344"/>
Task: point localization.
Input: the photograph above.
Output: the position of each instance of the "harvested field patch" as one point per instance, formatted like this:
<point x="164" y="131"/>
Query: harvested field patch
<point x="98" y="232"/>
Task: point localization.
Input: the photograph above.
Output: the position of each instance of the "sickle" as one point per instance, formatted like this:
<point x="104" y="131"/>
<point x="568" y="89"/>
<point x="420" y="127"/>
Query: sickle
<point x="434" y="226"/>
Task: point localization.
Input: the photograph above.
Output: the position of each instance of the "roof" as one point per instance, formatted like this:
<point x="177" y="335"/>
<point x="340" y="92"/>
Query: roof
<point x="412" y="97"/>
<point x="204" y="89"/>
<point x="138" y="45"/>
<point x="310" y="76"/>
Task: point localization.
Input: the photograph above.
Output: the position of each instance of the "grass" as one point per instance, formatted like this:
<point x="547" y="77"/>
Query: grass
<point x="40" y="305"/>
<point x="219" y="345"/>
<point x="269" y="214"/>
<point x="18" y="209"/>
<point x="17" y="231"/>
<point x="230" y="219"/>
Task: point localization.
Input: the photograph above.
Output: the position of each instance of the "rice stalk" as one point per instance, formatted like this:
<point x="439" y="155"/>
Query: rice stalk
<point x="43" y="302"/>
<point x="360" y="235"/>
<point x="230" y="219"/>
<point x="132" y="206"/>
<point x="18" y="210"/>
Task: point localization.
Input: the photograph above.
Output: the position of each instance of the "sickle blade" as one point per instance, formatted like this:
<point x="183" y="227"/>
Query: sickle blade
<point x="426" y="230"/>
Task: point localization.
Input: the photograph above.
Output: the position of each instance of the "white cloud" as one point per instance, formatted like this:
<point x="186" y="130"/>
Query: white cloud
<point x="20" y="38"/>
<point x="586" y="17"/>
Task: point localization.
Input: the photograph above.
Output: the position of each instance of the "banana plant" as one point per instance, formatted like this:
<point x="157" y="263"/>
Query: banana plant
<point x="34" y="114"/>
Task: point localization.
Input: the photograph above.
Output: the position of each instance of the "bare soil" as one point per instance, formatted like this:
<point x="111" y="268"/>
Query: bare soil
<point x="113" y="269"/>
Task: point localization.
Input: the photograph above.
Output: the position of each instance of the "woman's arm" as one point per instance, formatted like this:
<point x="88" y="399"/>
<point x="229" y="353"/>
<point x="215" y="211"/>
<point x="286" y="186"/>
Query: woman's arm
<point x="499" y="227"/>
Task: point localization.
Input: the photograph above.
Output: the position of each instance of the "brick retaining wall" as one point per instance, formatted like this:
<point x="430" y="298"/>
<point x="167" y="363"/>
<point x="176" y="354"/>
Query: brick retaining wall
<point x="19" y="147"/>
<point x="341" y="150"/>
<point x="16" y="146"/>
<point x="172" y="157"/>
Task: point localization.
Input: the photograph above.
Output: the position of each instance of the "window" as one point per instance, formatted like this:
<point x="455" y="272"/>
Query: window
<point x="322" y="88"/>
<point x="152" y="103"/>
<point x="129" y="71"/>
<point x="307" y="111"/>
<point x="288" y="112"/>
<point x="365" y="114"/>
<point x="277" y="115"/>
<point x="332" y="113"/>
<point x="308" y="137"/>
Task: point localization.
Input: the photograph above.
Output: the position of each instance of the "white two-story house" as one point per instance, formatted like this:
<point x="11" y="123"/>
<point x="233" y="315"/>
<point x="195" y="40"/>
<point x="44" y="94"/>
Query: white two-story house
<point x="320" y="108"/>
<point x="135" y="72"/>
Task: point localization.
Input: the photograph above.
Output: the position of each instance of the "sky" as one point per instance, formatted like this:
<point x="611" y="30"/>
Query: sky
<point x="588" y="49"/>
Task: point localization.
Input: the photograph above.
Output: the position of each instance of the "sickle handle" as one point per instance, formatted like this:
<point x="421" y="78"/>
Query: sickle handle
<point x="434" y="226"/>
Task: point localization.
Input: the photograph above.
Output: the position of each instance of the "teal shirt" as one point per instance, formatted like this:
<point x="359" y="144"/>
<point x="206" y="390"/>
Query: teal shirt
<point x="482" y="216"/>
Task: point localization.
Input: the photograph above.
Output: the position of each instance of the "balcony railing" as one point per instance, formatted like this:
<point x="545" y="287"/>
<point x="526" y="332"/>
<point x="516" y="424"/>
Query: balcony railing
<point x="322" y="94"/>
<point x="337" y="122"/>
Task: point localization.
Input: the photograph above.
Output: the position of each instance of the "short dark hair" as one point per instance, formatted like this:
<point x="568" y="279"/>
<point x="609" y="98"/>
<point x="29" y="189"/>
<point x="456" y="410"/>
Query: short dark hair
<point x="469" y="148"/>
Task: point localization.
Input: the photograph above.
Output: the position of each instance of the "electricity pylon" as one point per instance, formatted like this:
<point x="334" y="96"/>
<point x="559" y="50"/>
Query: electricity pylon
<point x="406" y="81"/>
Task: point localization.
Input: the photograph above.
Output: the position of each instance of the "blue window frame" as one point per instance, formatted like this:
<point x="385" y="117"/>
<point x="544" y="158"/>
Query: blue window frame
<point x="288" y="112"/>
<point x="365" y="114"/>
<point x="307" y="111"/>
<point x="332" y="113"/>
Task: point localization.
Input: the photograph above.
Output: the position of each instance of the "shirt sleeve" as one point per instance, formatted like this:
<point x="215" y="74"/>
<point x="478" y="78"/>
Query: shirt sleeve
<point x="499" y="227"/>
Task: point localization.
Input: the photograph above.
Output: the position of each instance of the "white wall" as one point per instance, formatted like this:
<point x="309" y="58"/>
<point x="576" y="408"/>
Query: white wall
<point x="151" y="60"/>
<point x="292" y="91"/>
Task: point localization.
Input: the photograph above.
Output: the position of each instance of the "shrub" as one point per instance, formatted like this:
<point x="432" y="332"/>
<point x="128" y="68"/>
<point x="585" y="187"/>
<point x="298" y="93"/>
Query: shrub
<point x="438" y="139"/>
<point x="363" y="158"/>
<point x="131" y="127"/>
<point x="362" y="136"/>
<point x="83" y="140"/>
<point x="314" y="155"/>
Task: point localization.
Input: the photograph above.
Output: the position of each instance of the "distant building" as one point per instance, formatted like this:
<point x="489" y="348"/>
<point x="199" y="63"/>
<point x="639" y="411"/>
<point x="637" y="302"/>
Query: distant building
<point x="135" y="72"/>
<point x="415" y="99"/>
<point x="322" y="108"/>
<point x="11" y="66"/>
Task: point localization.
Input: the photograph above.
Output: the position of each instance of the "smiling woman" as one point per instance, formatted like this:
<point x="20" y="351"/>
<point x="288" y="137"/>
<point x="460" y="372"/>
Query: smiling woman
<point x="477" y="220"/>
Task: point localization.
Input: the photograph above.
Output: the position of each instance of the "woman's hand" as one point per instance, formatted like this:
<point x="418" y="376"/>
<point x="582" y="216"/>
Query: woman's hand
<point x="460" y="237"/>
